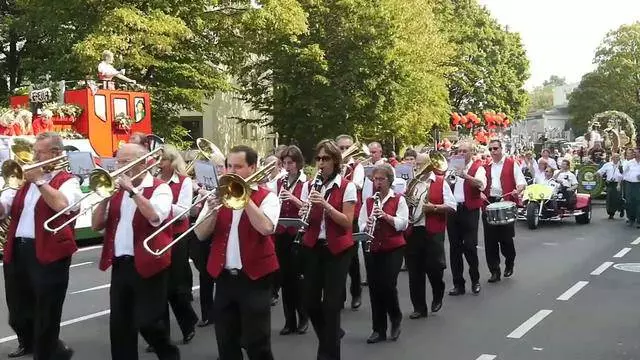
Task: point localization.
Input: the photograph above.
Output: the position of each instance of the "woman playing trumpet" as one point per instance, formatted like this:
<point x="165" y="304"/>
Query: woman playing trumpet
<point x="289" y="189"/>
<point x="328" y="248"/>
<point x="386" y="222"/>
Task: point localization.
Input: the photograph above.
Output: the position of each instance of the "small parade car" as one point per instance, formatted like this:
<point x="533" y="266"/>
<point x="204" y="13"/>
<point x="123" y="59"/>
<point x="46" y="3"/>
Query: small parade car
<point x="541" y="202"/>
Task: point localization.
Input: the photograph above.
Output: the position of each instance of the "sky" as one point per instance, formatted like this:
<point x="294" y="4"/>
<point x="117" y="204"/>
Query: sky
<point x="561" y="36"/>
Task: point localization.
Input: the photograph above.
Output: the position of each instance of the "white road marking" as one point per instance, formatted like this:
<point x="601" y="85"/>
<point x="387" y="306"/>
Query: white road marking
<point x="90" y="248"/>
<point x="572" y="290"/>
<point x="81" y="264"/>
<point x="622" y="253"/>
<point x="550" y="244"/>
<point x="64" y="323"/>
<point x="636" y="241"/>
<point x="600" y="269"/>
<point x="521" y="330"/>
<point x="486" y="357"/>
<point x="106" y="286"/>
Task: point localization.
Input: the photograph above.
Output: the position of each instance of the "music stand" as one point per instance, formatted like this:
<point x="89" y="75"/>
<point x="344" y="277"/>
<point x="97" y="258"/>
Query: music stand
<point x="361" y="237"/>
<point x="292" y="222"/>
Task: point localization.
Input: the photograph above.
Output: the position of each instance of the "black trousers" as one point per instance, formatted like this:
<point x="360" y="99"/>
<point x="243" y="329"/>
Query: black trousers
<point x="382" y="271"/>
<point x="614" y="199"/>
<point x="425" y="258"/>
<point x="199" y="252"/>
<point x="498" y="239"/>
<point x="291" y="280"/>
<point x="355" y="285"/>
<point x="35" y="295"/>
<point x="325" y="275"/>
<point x="138" y="304"/>
<point x="462" y="227"/>
<point x="180" y="294"/>
<point x="242" y="315"/>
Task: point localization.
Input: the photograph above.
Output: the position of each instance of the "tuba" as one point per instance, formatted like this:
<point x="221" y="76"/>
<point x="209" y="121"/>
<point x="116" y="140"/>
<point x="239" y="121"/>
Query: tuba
<point x="206" y="150"/>
<point x="435" y="162"/>
<point x="358" y="152"/>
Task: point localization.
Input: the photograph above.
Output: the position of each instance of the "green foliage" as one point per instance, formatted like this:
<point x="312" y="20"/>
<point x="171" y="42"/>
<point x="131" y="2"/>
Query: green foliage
<point x="541" y="98"/>
<point x="490" y="64"/>
<point x="615" y="84"/>
<point x="373" y="70"/>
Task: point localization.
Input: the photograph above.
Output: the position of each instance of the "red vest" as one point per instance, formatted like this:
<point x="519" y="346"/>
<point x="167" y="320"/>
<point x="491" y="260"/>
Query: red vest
<point x="436" y="223"/>
<point x="472" y="199"/>
<point x="386" y="237"/>
<point x="146" y="264"/>
<point x="338" y="238"/>
<point x="257" y="252"/>
<point x="507" y="179"/>
<point x="50" y="247"/>
<point x="288" y="209"/>
<point x="181" y="225"/>
<point x="349" y="177"/>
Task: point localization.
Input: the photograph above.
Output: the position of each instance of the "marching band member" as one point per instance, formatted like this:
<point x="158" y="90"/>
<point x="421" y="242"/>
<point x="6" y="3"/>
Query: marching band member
<point x="243" y="261"/>
<point x="386" y="252"/>
<point x="425" y="242"/>
<point x="138" y="295"/>
<point x="375" y="148"/>
<point x="290" y="190"/>
<point x="354" y="173"/>
<point x="462" y="225"/>
<point x="504" y="181"/>
<point x="328" y="248"/>
<point x="611" y="172"/>
<point x="631" y="173"/>
<point x="172" y="171"/>
<point x="36" y="262"/>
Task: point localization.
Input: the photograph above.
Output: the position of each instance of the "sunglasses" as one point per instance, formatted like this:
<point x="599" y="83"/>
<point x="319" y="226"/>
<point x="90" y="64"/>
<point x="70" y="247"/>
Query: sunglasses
<point x="323" y="158"/>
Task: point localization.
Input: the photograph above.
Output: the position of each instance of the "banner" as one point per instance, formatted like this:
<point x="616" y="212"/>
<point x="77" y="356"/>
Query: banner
<point x="588" y="182"/>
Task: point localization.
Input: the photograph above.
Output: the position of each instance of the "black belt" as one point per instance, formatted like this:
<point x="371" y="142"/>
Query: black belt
<point x="323" y="242"/>
<point x="495" y="199"/>
<point x="24" y="240"/>
<point x="123" y="259"/>
<point x="232" y="272"/>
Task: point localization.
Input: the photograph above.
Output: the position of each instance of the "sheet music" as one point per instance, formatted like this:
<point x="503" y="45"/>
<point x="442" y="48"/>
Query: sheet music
<point x="206" y="175"/>
<point x="404" y="171"/>
<point x="80" y="163"/>
<point x="457" y="162"/>
<point x="108" y="163"/>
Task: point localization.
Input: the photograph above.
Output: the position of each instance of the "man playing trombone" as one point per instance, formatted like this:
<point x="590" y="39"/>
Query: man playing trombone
<point x="36" y="262"/>
<point x="139" y="279"/>
<point x="243" y="261"/>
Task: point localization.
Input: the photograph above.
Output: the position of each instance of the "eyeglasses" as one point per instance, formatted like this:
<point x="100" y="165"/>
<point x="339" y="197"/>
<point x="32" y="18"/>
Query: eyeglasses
<point x="344" y="147"/>
<point x="323" y="158"/>
<point x="494" y="148"/>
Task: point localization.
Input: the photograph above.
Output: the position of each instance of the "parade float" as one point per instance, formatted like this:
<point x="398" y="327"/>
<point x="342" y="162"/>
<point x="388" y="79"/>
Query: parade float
<point x="93" y="117"/>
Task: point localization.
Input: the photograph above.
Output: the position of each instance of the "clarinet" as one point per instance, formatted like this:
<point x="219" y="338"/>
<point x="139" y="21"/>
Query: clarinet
<point x="317" y="184"/>
<point x="371" y="229"/>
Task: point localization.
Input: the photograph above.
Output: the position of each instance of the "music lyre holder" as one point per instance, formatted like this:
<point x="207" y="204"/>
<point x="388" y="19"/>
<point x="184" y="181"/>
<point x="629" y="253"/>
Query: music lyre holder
<point x="292" y="222"/>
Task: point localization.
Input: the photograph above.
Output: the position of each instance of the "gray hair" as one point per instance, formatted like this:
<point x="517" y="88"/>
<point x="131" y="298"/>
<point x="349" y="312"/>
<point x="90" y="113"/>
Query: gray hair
<point x="107" y="54"/>
<point x="344" y="136"/>
<point x="56" y="140"/>
<point x="375" y="144"/>
<point x="385" y="169"/>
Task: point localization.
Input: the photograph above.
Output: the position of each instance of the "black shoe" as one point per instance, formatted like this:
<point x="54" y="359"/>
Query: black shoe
<point x="495" y="277"/>
<point x="150" y="349"/>
<point x="395" y="330"/>
<point x="204" y="323"/>
<point x="341" y="334"/>
<point x="66" y="353"/>
<point x="355" y="303"/>
<point x="303" y="327"/>
<point x="508" y="272"/>
<point x="475" y="288"/>
<point x="436" y="306"/>
<point x="456" y="291"/>
<point x="274" y="301"/>
<point x="376" y="338"/>
<point x="418" y="314"/>
<point x="286" y="330"/>
<point x="621" y="213"/>
<point x="187" y="338"/>
<point x="610" y="217"/>
<point x="19" y="352"/>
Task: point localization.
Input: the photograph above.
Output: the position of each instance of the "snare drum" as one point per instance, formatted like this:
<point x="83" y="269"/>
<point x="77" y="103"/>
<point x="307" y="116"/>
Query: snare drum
<point x="501" y="213"/>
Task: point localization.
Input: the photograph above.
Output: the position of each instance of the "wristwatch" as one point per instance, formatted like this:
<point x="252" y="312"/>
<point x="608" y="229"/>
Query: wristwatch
<point x="133" y="192"/>
<point x="40" y="182"/>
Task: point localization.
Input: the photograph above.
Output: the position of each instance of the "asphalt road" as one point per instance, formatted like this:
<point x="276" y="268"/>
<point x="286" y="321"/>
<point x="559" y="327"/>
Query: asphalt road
<point x="567" y="300"/>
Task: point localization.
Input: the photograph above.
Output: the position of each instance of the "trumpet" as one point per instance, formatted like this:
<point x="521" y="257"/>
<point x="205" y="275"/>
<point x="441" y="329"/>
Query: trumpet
<point x="103" y="184"/>
<point x="377" y="204"/>
<point x="233" y="191"/>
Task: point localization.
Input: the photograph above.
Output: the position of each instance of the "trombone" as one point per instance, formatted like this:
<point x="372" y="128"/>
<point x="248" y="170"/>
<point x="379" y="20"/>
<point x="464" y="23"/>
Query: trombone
<point x="103" y="184"/>
<point x="233" y="191"/>
<point x="206" y="150"/>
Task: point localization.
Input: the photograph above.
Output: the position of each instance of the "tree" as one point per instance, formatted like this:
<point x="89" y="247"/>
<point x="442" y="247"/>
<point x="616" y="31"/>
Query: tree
<point x="490" y="64"/>
<point x="370" y="69"/>
<point x="554" y="80"/>
<point x="541" y="97"/>
<point x="615" y="84"/>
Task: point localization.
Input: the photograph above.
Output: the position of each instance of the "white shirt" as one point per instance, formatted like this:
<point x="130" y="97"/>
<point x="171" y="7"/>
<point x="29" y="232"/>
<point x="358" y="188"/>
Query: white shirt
<point x="496" y="171"/>
<point x="458" y="189"/>
<point x="184" y="197"/>
<point x="611" y="171"/>
<point x="26" y="224"/>
<point x="358" y="174"/>
<point x="273" y="184"/>
<point x="400" y="220"/>
<point x="107" y="70"/>
<point x="447" y="195"/>
<point x="161" y="201"/>
<point x="550" y="162"/>
<point x="566" y="178"/>
<point x="631" y="171"/>
<point x="350" y="195"/>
